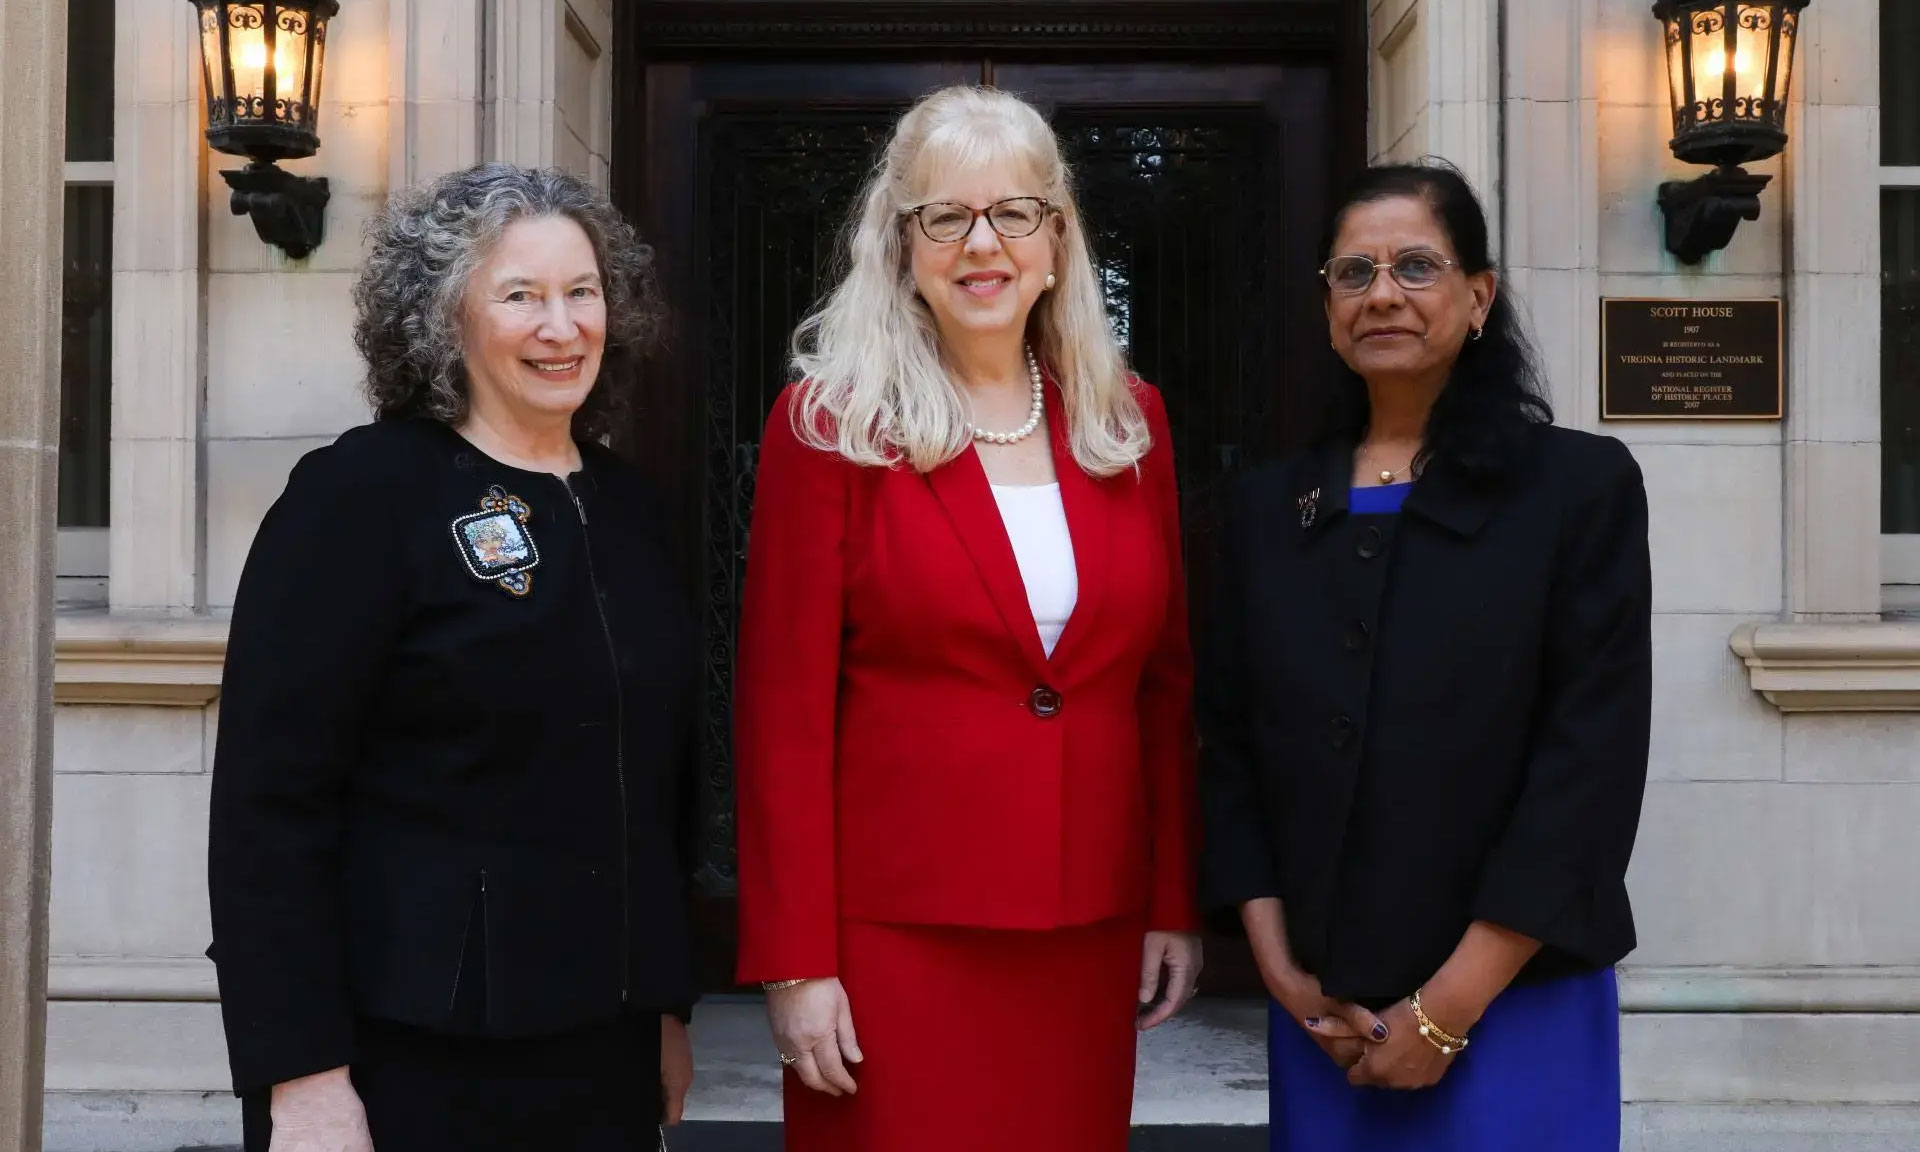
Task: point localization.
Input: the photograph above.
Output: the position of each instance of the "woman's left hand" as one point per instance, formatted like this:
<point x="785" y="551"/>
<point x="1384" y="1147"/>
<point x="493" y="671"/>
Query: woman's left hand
<point x="676" y="1067"/>
<point x="1179" y="954"/>
<point x="1405" y="1059"/>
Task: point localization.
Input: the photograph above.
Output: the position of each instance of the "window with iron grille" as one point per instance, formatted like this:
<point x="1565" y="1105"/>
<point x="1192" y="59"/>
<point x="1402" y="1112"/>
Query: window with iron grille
<point x="86" y="352"/>
<point x="1900" y="302"/>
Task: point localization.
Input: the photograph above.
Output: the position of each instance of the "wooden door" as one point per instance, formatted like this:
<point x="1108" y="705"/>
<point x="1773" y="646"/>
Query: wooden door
<point x="1201" y="187"/>
<point x="751" y="170"/>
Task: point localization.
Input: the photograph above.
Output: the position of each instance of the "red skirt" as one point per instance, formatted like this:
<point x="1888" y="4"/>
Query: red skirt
<point x="980" y="1040"/>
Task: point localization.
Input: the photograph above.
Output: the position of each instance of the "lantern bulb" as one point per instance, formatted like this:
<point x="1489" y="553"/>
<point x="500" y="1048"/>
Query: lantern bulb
<point x="1714" y="65"/>
<point x="253" y="58"/>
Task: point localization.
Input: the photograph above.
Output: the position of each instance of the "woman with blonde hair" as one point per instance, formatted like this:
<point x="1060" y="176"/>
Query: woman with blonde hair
<point x="963" y="734"/>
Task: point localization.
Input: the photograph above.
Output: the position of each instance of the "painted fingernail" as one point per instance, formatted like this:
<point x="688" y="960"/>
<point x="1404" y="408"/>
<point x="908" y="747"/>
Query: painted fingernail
<point x="1379" y="1031"/>
<point x="1313" y="1021"/>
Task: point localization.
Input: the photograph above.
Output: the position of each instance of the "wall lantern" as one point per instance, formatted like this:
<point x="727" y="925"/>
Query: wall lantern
<point x="1729" y="67"/>
<point x="263" y="63"/>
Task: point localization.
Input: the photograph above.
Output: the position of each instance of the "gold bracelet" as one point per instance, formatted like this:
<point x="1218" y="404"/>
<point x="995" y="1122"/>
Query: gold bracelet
<point x="782" y="985"/>
<point x="1435" y="1035"/>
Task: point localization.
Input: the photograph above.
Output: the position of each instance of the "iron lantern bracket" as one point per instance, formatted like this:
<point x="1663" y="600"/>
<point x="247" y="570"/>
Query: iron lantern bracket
<point x="288" y="211"/>
<point x="1703" y="213"/>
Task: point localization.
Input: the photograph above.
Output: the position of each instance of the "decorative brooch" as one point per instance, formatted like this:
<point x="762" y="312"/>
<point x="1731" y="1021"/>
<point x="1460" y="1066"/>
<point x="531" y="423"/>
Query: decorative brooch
<point x="495" y="544"/>
<point x="1309" y="506"/>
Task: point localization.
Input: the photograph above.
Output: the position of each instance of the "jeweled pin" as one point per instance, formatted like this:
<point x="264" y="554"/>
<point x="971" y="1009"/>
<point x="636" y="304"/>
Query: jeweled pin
<point x="1309" y="506"/>
<point x="494" y="542"/>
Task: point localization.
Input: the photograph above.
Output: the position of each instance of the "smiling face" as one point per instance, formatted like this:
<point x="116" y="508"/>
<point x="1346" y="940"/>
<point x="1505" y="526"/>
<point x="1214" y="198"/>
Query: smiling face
<point x="1390" y="332"/>
<point x="985" y="283"/>
<point x="536" y="321"/>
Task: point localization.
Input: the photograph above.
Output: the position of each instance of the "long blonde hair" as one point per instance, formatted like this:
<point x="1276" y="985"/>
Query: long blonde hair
<point x="876" y="391"/>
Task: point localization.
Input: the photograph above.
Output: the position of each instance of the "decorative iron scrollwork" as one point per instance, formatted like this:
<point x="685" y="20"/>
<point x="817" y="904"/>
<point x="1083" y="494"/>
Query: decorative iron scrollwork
<point x="782" y="187"/>
<point x="1181" y="252"/>
<point x="667" y="27"/>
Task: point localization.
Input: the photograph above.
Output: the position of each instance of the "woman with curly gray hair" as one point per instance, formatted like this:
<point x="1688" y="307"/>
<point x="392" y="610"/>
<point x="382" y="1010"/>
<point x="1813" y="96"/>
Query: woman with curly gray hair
<point x="446" y="868"/>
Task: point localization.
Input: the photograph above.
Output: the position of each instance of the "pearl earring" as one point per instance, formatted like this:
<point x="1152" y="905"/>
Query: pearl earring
<point x="1050" y="282"/>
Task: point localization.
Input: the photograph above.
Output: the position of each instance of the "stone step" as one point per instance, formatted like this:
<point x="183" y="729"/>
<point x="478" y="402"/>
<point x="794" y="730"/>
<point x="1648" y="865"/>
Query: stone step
<point x="748" y="1136"/>
<point x="1200" y="1086"/>
<point x="1207" y="1067"/>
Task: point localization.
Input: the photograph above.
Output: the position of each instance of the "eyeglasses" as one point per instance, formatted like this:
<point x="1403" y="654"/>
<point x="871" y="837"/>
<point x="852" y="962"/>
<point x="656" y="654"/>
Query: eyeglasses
<point x="945" y="222"/>
<point x="1352" y="275"/>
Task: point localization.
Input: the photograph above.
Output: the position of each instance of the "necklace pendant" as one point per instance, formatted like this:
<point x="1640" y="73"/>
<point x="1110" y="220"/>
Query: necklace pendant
<point x="1386" y="477"/>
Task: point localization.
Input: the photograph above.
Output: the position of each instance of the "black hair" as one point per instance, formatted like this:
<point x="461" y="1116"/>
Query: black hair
<point x="1495" y="392"/>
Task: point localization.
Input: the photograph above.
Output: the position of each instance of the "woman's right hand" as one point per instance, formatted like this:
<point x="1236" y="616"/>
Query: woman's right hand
<point x="1342" y="1029"/>
<point x="319" y="1113"/>
<point x="813" y="1023"/>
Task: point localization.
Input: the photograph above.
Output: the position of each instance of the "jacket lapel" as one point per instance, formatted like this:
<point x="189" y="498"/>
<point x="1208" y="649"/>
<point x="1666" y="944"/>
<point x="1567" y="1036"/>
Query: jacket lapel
<point x="962" y="489"/>
<point x="1452" y="501"/>
<point x="1088" y="523"/>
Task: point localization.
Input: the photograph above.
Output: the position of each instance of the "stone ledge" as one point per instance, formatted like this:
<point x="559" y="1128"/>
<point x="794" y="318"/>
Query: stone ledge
<point x="1650" y="989"/>
<point x="106" y="659"/>
<point x="210" y="1122"/>
<point x="1863" y="667"/>
<point x="1815" y="991"/>
<point x="131" y="978"/>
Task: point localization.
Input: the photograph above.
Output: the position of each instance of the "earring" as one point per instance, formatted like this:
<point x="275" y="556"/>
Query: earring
<point x="1050" y="282"/>
<point x="1479" y="332"/>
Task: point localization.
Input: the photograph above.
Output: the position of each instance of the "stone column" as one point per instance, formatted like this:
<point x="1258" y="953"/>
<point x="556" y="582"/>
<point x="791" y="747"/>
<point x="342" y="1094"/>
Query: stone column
<point x="33" y="68"/>
<point x="437" y="54"/>
<point x="1833" y="317"/>
<point x="1436" y="86"/>
<point x="550" y="100"/>
<point x="155" y="537"/>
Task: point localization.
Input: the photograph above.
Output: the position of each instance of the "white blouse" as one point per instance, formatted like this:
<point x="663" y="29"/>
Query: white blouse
<point x="1036" y="521"/>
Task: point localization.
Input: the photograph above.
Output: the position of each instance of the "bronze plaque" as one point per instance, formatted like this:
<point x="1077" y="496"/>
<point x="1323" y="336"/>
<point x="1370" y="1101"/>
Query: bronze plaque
<point x="1665" y="359"/>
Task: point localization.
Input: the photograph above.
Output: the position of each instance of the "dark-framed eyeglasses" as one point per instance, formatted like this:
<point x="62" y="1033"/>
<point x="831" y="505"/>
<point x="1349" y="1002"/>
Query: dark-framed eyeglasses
<point x="1352" y="275"/>
<point x="945" y="222"/>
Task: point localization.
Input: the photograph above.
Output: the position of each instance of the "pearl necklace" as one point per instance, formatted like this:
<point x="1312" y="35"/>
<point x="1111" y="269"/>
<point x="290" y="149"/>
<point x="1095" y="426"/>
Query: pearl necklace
<point x="1033" y="414"/>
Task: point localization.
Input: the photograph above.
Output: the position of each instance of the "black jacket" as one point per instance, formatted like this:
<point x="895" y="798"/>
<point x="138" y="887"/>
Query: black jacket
<point x="436" y="802"/>
<point x="1414" y="721"/>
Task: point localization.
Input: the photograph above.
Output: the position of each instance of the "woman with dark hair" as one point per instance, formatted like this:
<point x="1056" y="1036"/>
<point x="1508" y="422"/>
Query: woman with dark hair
<point x="445" y="867"/>
<point x="1425" y="711"/>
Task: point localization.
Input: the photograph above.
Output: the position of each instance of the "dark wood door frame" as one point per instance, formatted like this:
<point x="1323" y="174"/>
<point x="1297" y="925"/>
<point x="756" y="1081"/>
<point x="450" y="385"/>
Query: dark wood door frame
<point x="947" y="41"/>
<point x="1106" y="29"/>
<point x="1331" y="32"/>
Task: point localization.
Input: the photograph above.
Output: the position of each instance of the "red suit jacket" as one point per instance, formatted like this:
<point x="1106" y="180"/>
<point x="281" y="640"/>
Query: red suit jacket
<point x="906" y="752"/>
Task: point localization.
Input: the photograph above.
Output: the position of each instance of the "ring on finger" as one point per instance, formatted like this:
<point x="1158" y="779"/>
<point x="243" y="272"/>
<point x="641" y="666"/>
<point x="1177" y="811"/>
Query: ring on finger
<point x="788" y="1059"/>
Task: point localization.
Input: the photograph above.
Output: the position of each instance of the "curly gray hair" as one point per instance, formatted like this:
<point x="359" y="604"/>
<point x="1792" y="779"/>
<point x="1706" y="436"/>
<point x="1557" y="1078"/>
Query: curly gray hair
<point x="424" y="247"/>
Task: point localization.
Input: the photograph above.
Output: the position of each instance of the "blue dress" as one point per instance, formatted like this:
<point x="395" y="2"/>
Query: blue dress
<point x="1542" y="1073"/>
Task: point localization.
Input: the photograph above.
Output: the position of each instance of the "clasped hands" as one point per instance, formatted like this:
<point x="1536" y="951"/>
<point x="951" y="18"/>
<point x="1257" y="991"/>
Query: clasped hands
<point x="1380" y="1051"/>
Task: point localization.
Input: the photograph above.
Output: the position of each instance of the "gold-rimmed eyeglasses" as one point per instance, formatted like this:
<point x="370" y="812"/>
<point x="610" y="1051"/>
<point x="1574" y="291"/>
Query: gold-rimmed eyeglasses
<point x="945" y="222"/>
<point x="1351" y="275"/>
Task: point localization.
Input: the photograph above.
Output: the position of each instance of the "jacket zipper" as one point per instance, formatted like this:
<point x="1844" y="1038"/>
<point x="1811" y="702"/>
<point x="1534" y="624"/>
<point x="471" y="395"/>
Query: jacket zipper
<point x="460" y="969"/>
<point x="619" y="741"/>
